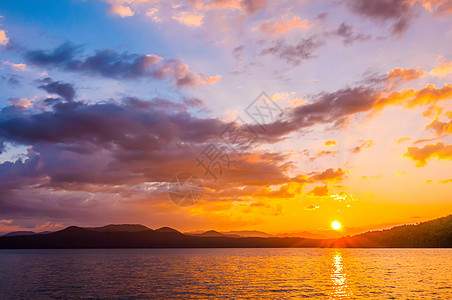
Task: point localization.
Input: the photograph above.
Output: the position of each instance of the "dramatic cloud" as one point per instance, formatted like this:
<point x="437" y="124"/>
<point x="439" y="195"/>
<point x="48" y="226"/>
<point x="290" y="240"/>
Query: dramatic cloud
<point x="85" y="156"/>
<point x="64" y="90"/>
<point x="399" y="12"/>
<point x="76" y="146"/>
<point x="338" y="107"/>
<point x="143" y="124"/>
<point x="421" y="155"/>
<point x="111" y="64"/>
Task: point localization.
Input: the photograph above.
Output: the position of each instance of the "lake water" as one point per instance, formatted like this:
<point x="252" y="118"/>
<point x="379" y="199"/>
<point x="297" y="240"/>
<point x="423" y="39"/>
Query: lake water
<point x="226" y="273"/>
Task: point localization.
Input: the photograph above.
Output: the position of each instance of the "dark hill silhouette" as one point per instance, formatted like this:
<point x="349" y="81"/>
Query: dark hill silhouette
<point x="304" y="234"/>
<point x="213" y="233"/>
<point x="17" y="233"/>
<point x="436" y="233"/>
<point x="167" y="230"/>
<point x="248" y="233"/>
<point x="121" y="227"/>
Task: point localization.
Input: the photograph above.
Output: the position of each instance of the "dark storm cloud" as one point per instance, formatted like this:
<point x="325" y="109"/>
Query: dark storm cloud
<point x="106" y="63"/>
<point x="111" y="64"/>
<point x="334" y="108"/>
<point x="253" y="6"/>
<point x="133" y="124"/>
<point x="82" y="156"/>
<point x="337" y="107"/>
<point x="399" y="12"/>
<point x="115" y="143"/>
<point x="349" y="36"/>
<point x="64" y="90"/>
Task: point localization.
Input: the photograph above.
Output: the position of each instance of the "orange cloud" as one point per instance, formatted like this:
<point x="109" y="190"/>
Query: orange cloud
<point x="326" y="153"/>
<point x="122" y="11"/>
<point x="16" y="67"/>
<point x="411" y="97"/>
<point x="437" y="6"/>
<point x="219" y="4"/>
<point x="283" y="26"/>
<point x="3" y="38"/>
<point x="403" y="139"/>
<point x="183" y="76"/>
<point x="21" y="102"/>
<point x="397" y="76"/>
<point x="329" y="175"/>
<point x="366" y="144"/>
<point x="421" y="155"/>
<point x="189" y="19"/>
<point x="210" y="79"/>
<point x="320" y="191"/>
<point x="440" y="127"/>
<point x="152" y="13"/>
<point x="443" y="69"/>
<point x="312" y="207"/>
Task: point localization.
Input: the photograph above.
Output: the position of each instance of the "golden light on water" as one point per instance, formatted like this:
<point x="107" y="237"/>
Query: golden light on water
<point x="339" y="283"/>
<point x="336" y="225"/>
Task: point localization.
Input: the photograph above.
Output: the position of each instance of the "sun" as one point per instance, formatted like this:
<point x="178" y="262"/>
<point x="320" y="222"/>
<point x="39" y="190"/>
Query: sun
<point x="336" y="225"/>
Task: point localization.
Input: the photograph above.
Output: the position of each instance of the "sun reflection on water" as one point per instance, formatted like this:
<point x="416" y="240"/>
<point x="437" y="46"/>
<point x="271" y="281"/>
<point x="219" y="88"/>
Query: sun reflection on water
<point x="340" y="288"/>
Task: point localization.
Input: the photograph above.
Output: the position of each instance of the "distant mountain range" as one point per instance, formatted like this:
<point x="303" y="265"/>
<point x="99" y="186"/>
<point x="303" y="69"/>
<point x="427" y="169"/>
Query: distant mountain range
<point x="432" y="234"/>
<point x="256" y="233"/>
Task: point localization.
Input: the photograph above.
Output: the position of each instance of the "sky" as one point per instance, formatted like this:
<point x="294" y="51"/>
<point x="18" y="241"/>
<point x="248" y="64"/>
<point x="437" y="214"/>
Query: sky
<point x="279" y="116"/>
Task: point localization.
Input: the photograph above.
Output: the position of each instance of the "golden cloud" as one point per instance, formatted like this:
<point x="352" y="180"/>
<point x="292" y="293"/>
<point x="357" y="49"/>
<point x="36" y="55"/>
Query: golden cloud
<point x="421" y="155"/>
<point x="443" y="69"/>
<point x="330" y="143"/>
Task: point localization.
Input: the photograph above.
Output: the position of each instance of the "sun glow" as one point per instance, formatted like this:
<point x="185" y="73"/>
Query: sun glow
<point x="336" y="225"/>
